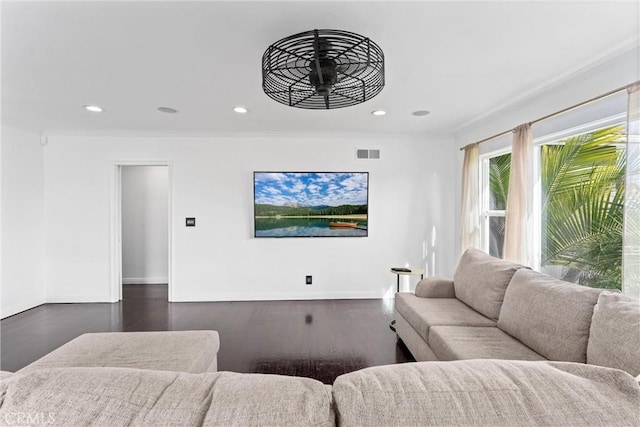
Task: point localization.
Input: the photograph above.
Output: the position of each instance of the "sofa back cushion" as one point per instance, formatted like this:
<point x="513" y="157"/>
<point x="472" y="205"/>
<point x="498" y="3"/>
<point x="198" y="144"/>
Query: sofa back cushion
<point x="486" y="393"/>
<point x="614" y="341"/>
<point x="124" y="396"/>
<point x="550" y="316"/>
<point x="481" y="280"/>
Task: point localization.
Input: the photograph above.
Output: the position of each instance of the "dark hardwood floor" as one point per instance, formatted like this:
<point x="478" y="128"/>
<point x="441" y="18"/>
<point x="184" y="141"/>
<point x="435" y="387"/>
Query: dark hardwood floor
<point x="319" y="339"/>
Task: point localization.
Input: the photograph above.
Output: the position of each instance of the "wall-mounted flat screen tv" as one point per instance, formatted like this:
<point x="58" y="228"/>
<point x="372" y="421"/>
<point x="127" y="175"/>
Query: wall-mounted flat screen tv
<point x="311" y="204"/>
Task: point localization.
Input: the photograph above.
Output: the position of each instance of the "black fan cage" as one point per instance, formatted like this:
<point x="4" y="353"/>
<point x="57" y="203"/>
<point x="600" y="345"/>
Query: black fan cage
<point x="323" y="69"/>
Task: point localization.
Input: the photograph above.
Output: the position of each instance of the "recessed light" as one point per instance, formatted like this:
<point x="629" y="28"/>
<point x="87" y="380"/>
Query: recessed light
<point x="167" y="110"/>
<point x="421" y="113"/>
<point x="379" y="112"/>
<point x="240" y="110"/>
<point x="93" y="108"/>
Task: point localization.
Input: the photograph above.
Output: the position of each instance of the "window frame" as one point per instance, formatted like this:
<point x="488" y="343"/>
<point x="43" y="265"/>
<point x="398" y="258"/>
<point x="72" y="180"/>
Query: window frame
<point x="485" y="212"/>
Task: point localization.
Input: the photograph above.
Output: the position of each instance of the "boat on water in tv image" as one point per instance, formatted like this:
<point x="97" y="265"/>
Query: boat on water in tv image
<point x="338" y="224"/>
<point x="311" y="204"/>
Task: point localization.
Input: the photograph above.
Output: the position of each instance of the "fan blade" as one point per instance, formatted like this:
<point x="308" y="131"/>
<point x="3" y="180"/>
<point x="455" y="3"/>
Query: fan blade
<point x="301" y="64"/>
<point x="351" y="68"/>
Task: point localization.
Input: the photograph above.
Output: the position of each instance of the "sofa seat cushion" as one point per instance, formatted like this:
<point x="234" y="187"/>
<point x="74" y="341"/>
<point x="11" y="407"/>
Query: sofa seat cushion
<point x="423" y="313"/>
<point x="615" y="333"/>
<point x="470" y="342"/>
<point x="487" y="393"/>
<point x="140" y="397"/>
<point x="550" y="316"/>
<point x="180" y="351"/>
<point x="480" y="281"/>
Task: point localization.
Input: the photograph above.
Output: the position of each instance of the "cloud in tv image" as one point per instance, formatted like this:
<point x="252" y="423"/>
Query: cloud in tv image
<point x="311" y="204"/>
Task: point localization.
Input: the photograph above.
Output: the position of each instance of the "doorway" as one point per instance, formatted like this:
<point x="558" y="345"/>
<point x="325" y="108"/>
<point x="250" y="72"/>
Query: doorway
<point x="142" y="231"/>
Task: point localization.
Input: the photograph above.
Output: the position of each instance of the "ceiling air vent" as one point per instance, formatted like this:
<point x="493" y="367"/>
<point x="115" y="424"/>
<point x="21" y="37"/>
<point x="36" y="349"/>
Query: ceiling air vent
<point x="367" y="154"/>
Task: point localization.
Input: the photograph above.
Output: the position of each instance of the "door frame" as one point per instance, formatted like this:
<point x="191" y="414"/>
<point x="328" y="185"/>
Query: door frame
<point x="116" y="224"/>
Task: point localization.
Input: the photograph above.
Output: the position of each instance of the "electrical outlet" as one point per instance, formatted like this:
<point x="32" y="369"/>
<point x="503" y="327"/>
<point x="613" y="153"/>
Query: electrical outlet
<point x="308" y="280"/>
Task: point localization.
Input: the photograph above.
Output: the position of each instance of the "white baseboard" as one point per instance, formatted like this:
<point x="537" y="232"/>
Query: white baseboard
<point x="272" y="296"/>
<point x="144" y="280"/>
<point x="70" y="299"/>
<point x="20" y="307"/>
<point x="200" y="297"/>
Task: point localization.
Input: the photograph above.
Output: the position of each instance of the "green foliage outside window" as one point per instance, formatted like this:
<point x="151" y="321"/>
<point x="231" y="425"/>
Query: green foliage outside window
<point x="582" y="207"/>
<point x="499" y="168"/>
<point x="582" y="204"/>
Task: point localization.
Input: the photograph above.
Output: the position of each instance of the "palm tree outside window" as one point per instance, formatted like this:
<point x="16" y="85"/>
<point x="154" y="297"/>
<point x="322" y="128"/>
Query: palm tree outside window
<point x="581" y="205"/>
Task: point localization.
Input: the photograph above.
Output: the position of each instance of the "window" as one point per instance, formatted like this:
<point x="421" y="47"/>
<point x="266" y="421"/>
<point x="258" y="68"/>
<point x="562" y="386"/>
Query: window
<point x="579" y="208"/>
<point x="495" y="184"/>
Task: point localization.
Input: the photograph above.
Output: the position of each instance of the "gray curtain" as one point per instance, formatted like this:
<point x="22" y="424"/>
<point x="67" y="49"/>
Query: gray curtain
<point x="517" y="235"/>
<point x="470" y="206"/>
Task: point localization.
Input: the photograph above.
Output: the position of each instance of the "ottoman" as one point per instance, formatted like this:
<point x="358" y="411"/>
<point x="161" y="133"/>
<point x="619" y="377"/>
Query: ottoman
<point x="178" y="351"/>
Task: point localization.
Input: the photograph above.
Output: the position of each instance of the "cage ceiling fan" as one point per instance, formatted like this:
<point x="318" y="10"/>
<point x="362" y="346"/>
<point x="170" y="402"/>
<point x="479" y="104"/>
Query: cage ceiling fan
<point x="323" y="69"/>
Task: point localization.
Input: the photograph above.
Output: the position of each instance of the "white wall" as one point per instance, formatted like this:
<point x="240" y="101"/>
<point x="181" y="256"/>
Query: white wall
<point x="410" y="210"/>
<point x="145" y="231"/>
<point x="22" y="222"/>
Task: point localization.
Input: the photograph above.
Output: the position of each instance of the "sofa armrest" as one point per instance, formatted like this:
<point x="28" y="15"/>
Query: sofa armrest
<point x="435" y="287"/>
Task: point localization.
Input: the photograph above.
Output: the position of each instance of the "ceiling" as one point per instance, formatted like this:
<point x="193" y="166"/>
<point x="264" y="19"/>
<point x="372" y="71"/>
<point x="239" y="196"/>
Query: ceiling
<point x="458" y="60"/>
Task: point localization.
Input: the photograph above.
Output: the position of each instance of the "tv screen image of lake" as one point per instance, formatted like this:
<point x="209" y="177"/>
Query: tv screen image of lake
<point x="309" y="227"/>
<point x="298" y="204"/>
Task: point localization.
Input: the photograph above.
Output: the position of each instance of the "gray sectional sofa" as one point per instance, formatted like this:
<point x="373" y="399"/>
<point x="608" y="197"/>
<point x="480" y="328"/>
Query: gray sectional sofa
<point x="492" y="310"/>
<point x="471" y="392"/>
